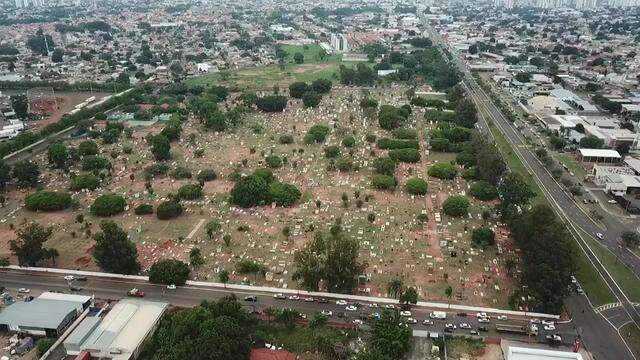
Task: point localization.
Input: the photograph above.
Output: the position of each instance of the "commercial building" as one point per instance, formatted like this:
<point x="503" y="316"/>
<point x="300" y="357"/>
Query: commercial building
<point x="118" y="335"/>
<point x="599" y="156"/>
<point x="47" y="315"/>
<point x="522" y="353"/>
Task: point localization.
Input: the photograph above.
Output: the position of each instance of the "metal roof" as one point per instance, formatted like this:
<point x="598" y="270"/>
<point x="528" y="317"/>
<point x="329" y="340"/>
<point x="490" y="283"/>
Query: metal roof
<point x="603" y="153"/>
<point x="38" y="313"/>
<point x="520" y="353"/>
<point x="124" y="328"/>
<point x="80" y="299"/>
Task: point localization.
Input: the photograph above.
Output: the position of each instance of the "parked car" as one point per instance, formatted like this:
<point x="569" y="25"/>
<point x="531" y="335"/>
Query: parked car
<point x="135" y="292"/>
<point x="69" y="277"/>
<point x="326" y="312"/>
<point x="294" y="297"/>
<point x="503" y="317"/>
<point x="279" y="296"/>
<point x="549" y="327"/>
<point x="171" y="287"/>
<point x="465" y="326"/>
<point x="483" y="320"/>
<point x="411" y="320"/>
<point x="351" y="308"/>
<point x="427" y="322"/>
<point x="405" y="313"/>
<point x="251" y="298"/>
<point x="341" y="302"/>
<point x="24" y="290"/>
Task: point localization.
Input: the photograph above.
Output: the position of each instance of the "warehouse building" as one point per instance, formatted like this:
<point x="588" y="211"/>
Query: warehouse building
<point x="522" y="353"/>
<point x="47" y="315"/>
<point x="118" y="335"/>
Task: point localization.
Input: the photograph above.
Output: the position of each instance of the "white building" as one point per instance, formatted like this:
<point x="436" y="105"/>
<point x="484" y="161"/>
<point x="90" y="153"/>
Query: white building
<point x="119" y="335"/>
<point x="521" y="353"/>
<point x="339" y="43"/>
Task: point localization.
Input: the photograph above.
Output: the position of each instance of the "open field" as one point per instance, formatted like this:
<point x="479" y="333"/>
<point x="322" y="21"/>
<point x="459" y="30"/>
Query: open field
<point x="396" y="244"/>
<point x="265" y="77"/>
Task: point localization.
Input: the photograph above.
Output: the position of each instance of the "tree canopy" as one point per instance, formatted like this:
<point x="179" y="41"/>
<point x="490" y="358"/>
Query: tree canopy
<point x="114" y="252"/>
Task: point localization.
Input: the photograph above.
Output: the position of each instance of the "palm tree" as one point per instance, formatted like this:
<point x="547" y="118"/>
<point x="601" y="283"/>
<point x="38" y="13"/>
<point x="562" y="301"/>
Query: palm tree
<point x="448" y="291"/>
<point x="394" y="288"/>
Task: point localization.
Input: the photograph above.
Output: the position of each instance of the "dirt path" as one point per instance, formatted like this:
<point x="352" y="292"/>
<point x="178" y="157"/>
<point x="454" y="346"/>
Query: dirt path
<point x="432" y="226"/>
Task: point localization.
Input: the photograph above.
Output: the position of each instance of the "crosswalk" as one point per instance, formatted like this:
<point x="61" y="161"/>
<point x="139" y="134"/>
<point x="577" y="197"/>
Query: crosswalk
<point x="604" y="307"/>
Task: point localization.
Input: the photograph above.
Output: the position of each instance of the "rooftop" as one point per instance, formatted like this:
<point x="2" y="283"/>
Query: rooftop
<point x="602" y="153"/>
<point x="520" y="353"/>
<point x="38" y="313"/>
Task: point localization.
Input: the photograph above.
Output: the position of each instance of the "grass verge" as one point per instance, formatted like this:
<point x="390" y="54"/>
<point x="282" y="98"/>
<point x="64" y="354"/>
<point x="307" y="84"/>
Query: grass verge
<point x="300" y="339"/>
<point x="631" y="334"/>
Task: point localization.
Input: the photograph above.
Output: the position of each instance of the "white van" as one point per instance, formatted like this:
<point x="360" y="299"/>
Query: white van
<point x="440" y="315"/>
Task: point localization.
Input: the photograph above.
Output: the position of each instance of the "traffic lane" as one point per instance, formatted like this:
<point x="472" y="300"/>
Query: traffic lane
<point x="114" y="289"/>
<point x="605" y="344"/>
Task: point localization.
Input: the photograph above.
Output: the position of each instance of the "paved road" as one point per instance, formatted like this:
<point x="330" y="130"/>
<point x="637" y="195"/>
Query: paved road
<point x="190" y="296"/>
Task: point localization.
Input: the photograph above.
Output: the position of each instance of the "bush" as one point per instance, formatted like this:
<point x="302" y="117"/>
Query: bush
<point x="286" y="139"/>
<point x="404" y="133"/>
<point x="298" y="89"/>
<point x="190" y="192"/>
<point x="370" y="138"/>
<point x="168" y="210"/>
<point x="386" y="143"/>
<point x="311" y="99"/>
<point x="349" y="142"/>
<point x="383" y="182"/>
<point x="321" y="86"/>
<point x="206" y="175"/>
<point x="368" y="103"/>
<point x="143" y="209"/>
<point x="456" y="205"/>
<point x="250" y="191"/>
<point x="344" y="164"/>
<point x="331" y="152"/>
<point x="483" y="237"/>
<point x="108" y="205"/>
<point x="440" y="144"/>
<point x="169" y="272"/>
<point x="88" y="147"/>
<point x="274" y="161"/>
<point x="154" y="170"/>
<point x="416" y="186"/>
<point x="405" y="155"/>
<point x="483" y="190"/>
<point x="95" y="162"/>
<point x="47" y="201"/>
<point x="384" y="166"/>
<point x="272" y="103"/>
<point x="443" y="170"/>
<point x="265" y="174"/>
<point x="181" y="172"/>
<point x="284" y="194"/>
<point x="316" y="134"/>
<point x="81" y="182"/>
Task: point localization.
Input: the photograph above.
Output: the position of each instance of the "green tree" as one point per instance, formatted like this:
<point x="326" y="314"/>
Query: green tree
<point x="108" y="205"/>
<point x="43" y="345"/>
<point x="250" y="191"/>
<point x="298" y="89"/>
<point x="591" y="142"/>
<point x="160" y="147"/>
<point x="195" y="257"/>
<point x="212" y="227"/>
<point x="223" y="277"/>
<point x="114" y="252"/>
<point x="416" y="186"/>
<point x="88" y="147"/>
<point x="283" y="194"/>
<point x="443" y="170"/>
<point x="409" y="296"/>
<point x="311" y="99"/>
<point x="298" y="58"/>
<point x="169" y="272"/>
<point x="456" y="205"/>
<point x="26" y="173"/>
<point x="483" y="190"/>
<point x="395" y="287"/>
<point x="630" y="239"/>
<point x="483" y="237"/>
<point x="29" y="246"/>
<point x="58" y="155"/>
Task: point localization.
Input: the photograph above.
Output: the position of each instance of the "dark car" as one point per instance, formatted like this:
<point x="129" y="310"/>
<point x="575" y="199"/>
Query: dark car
<point x="75" y="288"/>
<point x="81" y="278"/>
<point x="322" y="300"/>
<point x="448" y="330"/>
<point x="462" y="314"/>
<point x="28" y="298"/>
<point x="341" y="314"/>
<point x="482" y="328"/>
<point x="251" y="298"/>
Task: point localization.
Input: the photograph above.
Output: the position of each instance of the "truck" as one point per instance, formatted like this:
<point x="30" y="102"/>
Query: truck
<point x="7" y="134"/>
<point x="135" y="292"/>
<point x="439" y="315"/>
<point x="528" y="329"/>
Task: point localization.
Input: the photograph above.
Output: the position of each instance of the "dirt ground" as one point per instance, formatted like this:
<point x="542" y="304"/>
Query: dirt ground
<point x="65" y="102"/>
<point x="396" y="244"/>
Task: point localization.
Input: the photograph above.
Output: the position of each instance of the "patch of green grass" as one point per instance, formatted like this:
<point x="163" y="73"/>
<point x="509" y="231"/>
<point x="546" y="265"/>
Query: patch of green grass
<point x="311" y="54"/>
<point x="570" y="162"/>
<point x="631" y="334"/>
<point x="458" y="348"/>
<point x="300" y="339"/>
<point x="628" y="281"/>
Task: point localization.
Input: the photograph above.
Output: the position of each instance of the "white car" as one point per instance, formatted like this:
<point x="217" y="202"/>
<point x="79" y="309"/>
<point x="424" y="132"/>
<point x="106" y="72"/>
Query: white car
<point x="326" y="312"/>
<point x="279" y="296"/>
<point x="390" y="306"/>
<point x="69" y="277"/>
<point x="294" y="297"/>
<point x="483" y="320"/>
<point x="547" y="322"/>
<point x="600" y="236"/>
<point x="357" y="322"/>
<point x="341" y="302"/>
<point x="427" y="322"/>
<point x="303" y="315"/>
<point x="309" y="299"/>
<point x="171" y="287"/>
<point x="450" y="326"/>
<point x="550" y="327"/>
<point x="373" y="305"/>
<point x="611" y="201"/>
<point x="351" y="308"/>
<point x="405" y="313"/>
<point x="534" y="321"/>
<point x="464" y="326"/>
<point x="503" y="317"/>
<point x="482" y="315"/>
<point x="24" y="290"/>
<point x="411" y="321"/>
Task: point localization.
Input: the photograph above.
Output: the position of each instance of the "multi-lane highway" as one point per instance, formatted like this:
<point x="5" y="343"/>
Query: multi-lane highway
<point x="114" y="289"/>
